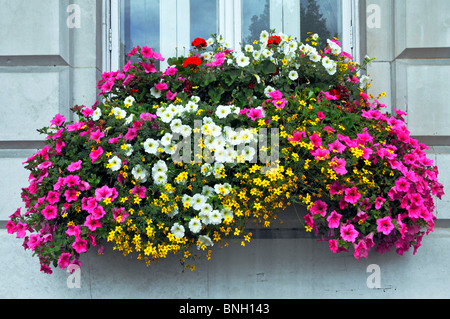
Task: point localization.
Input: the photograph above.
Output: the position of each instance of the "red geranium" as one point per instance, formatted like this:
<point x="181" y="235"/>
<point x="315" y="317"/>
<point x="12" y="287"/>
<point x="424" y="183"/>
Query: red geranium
<point x="274" y="40"/>
<point x="192" y="61"/>
<point x="199" y="42"/>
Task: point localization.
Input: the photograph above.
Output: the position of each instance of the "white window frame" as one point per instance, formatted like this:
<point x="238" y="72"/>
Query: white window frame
<point x="284" y="17"/>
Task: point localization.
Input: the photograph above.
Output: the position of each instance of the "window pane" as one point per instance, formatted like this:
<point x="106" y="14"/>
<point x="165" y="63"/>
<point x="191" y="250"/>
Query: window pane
<point x="203" y="18"/>
<point x="316" y="16"/>
<point x="255" y="18"/>
<point x="139" y="25"/>
<point x="321" y="17"/>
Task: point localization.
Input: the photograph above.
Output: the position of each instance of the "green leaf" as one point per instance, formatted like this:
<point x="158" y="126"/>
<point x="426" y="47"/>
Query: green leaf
<point x="215" y="93"/>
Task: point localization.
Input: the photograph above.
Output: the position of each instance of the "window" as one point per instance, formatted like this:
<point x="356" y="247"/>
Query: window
<point x="169" y="26"/>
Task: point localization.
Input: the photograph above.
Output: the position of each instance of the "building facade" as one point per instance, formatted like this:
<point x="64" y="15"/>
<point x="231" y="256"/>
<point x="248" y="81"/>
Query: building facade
<point x="53" y="52"/>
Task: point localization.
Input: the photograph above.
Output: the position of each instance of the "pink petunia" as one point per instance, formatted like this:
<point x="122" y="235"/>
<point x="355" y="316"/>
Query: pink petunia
<point x="337" y="147"/>
<point x="297" y="136"/>
<point x="316" y="140"/>
<point x="97" y="212"/>
<point x="80" y="245"/>
<point x="58" y="120"/>
<point x="333" y="245"/>
<point x="401" y="185"/>
<point x="171" y="95"/>
<point x="320" y="153"/>
<point x="52" y="197"/>
<point x="319" y="207"/>
<point x="95" y="154"/>
<point x="71" y="195"/>
<point x="49" y="212"/>
<point x="139" y="190"/>
<point x="255" y="114"/>
<point x="320" y="115"/>
<point x="147" y="52"/>
<point x="131" y="134"/>
<point x="334" y="219"/>
<point x="92" y="223"/>
<point x="75" y="166"/>
<point x="11" y="227"/>
<point x="107" y="86"/>
<point x="96" y="135"/>
<point x="361" y="250"/>
<point x="71" y="180"/>
<point x="352" y="195"/>
<point x="73" y="230"/>
<point x="33" y="241"/>
<point x="120" y="212"/>
<point x="338" y="165"/>
<point x="379" y="202"/>
<point x="385" y="225"/>
<point x="161" y="86"/>
<point x="64" y="260"/>
<point x="20" y="229"/>
<point x="349" y="233"/>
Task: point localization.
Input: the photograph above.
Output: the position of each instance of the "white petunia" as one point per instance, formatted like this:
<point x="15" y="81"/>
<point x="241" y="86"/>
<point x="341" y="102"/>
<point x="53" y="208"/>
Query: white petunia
<point x="315" y="57"/>
<point x="248" y="48"/>
<point x="215" y="217"/>
<point x="173" y="212"/>
<point x="198" y="201"/>
<point x="195" y="225"/>
<point x="166" y="139"/>
<point x="223" y="111"/>
<point x="167" y="116"/>
<point x="115" y="163"/>
<point x="185" y="130"/>
<point x="160" y="178"/>
<point x="204" y="240"/>
<point x="159" y="166"/>
<point x="97" y="114"/>
<point x="191" y="106"/>
<point x="139" y="173"/>
<point x="264" y="36"/>
<point x="129" y="101"/>
<point x="218" y="169"/>
<point x="177" y="230"/>
<point x="155" y="92"/>
<point x="151" y="146"/>
<point x="242" y="60"/>
<point x="175" y="125"/>
<point x="119" y="113"/>
<point x="206" y="169"/>
<point x="207" y="191"/>
<point x="248" y="152"/>
<point x="293" y="75"/>
<point x="205" y="212"/>
<point x="128" y="149"/>
<point x="268" y="89"/>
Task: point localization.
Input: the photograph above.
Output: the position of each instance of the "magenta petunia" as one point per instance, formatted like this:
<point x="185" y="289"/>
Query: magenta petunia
<point x="338" y="165"/>
<point x="351" y="195"/>
<point x="64" y="260"/>
<point x="334" y="219"/>
<point x="385" y="225"/>
<point x="319" y="207"/>
<point x="50" y="212"/>
<point x="80" y="245"/>
<point x="92" y="223"/>
<point x="58" y="120"/>
<point x="349" y="233"/>
<point x="75" y="166"/>
<point x="95" y="154"/>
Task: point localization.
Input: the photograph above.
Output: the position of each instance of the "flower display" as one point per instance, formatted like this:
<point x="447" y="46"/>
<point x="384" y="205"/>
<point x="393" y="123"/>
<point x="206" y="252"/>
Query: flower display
<point x="178" y="160"/>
